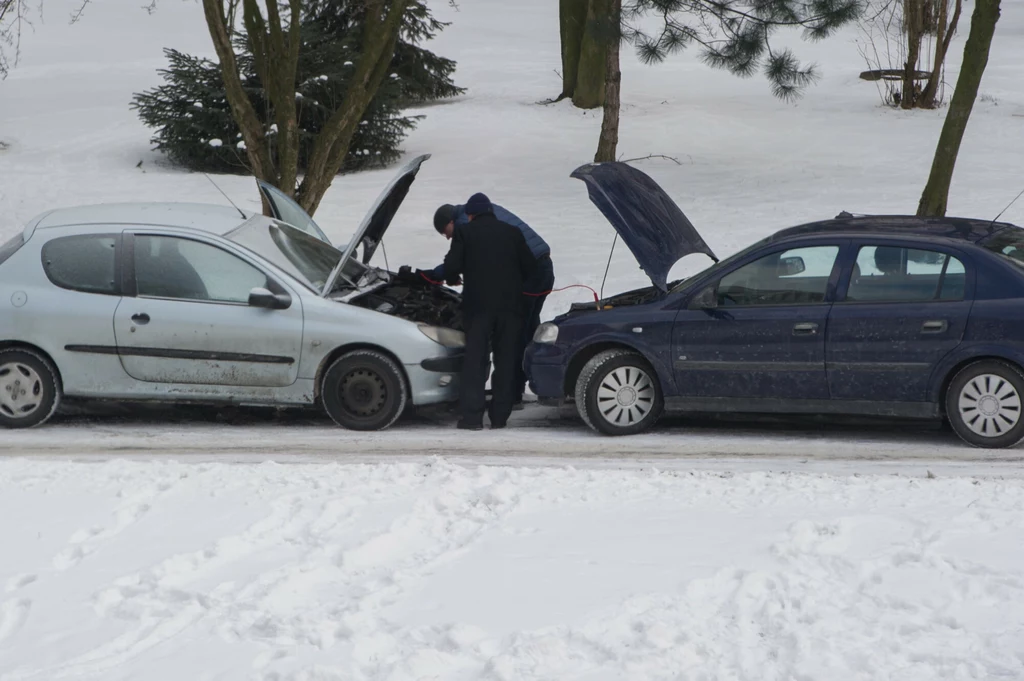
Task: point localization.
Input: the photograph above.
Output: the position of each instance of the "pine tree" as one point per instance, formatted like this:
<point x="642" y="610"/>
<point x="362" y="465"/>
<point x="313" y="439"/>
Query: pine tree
<point x="736" y="34"/>
<point x="196" y="129"/>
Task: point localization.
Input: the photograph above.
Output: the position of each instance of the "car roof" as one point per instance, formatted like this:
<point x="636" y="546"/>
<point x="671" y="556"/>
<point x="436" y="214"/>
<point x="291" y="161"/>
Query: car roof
<point x="945" y="228"/>
<point x="213" y="218"/>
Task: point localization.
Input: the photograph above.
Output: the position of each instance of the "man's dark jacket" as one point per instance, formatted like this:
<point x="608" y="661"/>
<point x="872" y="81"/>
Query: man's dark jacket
<point x="494" y="261"/>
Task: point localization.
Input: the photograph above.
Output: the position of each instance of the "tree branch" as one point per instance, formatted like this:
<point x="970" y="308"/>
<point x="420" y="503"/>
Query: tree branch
<point x="380" y="34"/>
<point x="241" y="108"/>
<point x="649" y="156"/>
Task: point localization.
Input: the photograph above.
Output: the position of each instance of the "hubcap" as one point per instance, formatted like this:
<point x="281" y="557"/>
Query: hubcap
<point x="21" y="390"/>
<point x="625" y="396"/>
<point x="363" y="392"/>
<point x="989" y="405"/>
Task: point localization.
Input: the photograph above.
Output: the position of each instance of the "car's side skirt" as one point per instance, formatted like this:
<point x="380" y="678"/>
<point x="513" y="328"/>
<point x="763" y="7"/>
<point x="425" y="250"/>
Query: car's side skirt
<point x="170" y="353"/>
<point x="922" y="410"/>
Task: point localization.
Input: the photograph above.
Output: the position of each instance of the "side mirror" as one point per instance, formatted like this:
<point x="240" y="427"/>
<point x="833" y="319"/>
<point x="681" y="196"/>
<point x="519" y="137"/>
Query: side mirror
<point x="790" y="266"/>
<point x="707" y="299"/>
<point x="261" y="297"/>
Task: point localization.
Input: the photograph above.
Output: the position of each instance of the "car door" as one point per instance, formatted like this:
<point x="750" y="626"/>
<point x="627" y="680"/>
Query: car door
<point x="901" y="309"/>
<point x="190" y="321"/>
<point x="758" y="332"/>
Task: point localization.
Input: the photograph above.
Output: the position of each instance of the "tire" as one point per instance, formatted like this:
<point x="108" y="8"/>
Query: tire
<point x="364" y="390"/>
<point x="623" y="376"/>
<point x="984" y="403"/>
<point x="29" y="389"/>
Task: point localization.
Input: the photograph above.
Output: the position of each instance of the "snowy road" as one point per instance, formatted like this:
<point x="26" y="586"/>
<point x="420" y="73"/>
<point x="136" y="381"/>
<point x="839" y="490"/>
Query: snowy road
<point x="537" y="436"/>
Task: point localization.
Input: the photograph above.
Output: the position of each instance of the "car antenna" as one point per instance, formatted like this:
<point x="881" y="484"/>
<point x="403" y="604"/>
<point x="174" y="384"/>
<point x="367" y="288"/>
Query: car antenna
<point x="606" y="267"/>
<point x="244" y="216"/>
<point x="1008" y="206"/>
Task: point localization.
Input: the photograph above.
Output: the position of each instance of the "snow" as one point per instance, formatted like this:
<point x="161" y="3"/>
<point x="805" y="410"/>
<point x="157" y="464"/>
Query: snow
<point x="216" y="142"/>
<point x="164" y="570"/>
<point x="143" y="547"/>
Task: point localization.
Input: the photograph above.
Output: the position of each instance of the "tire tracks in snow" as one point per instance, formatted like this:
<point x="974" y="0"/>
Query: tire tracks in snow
<point x="427" y="518"/>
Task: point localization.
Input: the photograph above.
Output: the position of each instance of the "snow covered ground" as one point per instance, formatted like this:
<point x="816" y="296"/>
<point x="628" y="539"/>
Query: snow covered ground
<point x="154" y="548"/>
<point x="164" y="570"/>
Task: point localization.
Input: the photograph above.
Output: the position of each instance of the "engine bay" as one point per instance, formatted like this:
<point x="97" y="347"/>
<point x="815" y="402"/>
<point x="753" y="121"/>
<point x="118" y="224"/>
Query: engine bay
<point x="638" y="296"/>
<point x="418" y="302"/>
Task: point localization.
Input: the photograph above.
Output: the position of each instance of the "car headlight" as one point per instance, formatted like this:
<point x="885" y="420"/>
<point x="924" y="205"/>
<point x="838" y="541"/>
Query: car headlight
<point x="546" y="333"/>
<point x="450" y="338"/>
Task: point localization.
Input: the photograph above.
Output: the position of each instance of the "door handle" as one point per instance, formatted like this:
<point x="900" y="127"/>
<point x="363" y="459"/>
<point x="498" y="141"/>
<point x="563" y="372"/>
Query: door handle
<point x="805" y="329"/>
<point x="934" y="326"/>
<point x="141" y="318"/>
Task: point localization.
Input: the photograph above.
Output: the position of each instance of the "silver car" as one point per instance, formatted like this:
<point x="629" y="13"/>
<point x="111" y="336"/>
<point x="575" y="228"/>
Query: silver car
<point x="202" y="303"/>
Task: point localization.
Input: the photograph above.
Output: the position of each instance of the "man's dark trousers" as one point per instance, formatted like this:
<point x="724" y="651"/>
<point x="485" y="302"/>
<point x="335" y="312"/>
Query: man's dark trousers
<point x="486" y="332"/>
<point x="539" y="284"/>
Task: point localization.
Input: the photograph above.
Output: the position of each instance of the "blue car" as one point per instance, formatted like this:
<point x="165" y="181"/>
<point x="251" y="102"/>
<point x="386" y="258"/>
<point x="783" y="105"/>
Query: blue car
<point x="894" y="316"/>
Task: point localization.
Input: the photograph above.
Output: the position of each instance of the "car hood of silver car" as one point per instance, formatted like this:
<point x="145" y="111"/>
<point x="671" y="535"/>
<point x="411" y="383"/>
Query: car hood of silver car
<point x="369" y="232"/>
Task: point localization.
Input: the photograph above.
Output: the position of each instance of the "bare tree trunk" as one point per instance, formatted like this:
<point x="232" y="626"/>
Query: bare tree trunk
<point x="276" y="55"/>
<point x="942" y="39"/>
<point x="276" y="44"/>
<point x="609" y="139"/>
<point x="979" y="42"/>
<point x="913" y="19"/>
<point x="572" y="18"/>
<point x="590" y="77"/>
<point x="380" y="34"/>
<point x="241" y="108"/>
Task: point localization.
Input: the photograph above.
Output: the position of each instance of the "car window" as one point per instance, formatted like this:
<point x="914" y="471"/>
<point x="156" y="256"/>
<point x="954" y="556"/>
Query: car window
<point x="171" y="267"/>
<point x="1008" y="242"/>
<point x="312" y="257"/>
<point x="11" y="247"/>
<point x="896" y="274"/>
<point x="798" y="276"/>
<point x="289" y="212"/>
<point x="85" y="263"/>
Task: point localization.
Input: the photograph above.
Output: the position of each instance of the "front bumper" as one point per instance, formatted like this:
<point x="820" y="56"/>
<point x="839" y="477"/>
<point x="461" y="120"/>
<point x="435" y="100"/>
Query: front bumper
<point x="446" y="365"/>
<point x="545" y="370"/>
<point x="432" y="386"/>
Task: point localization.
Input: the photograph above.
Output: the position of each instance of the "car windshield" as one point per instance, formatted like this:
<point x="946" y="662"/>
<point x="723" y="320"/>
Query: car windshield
<point x="716" y="266"/>
<point x="305" y="257"/>
<point x="1008" y="243"/>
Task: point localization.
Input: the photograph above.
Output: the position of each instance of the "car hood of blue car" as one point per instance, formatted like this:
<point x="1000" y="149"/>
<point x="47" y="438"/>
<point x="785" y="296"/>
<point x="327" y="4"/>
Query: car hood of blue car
<point x="649" y="222"/>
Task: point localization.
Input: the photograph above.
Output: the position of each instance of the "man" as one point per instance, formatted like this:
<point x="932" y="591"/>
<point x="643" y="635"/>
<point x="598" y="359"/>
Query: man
<point x="494" y="261"/>
<point x="535" y="290"/>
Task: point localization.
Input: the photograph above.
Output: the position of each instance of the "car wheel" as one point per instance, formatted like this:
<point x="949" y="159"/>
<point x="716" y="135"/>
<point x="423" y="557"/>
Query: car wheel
<point x="983" y="404"/>
<point x="29" y="389"/>
<point x="618" y="393"/>
<point x="364" y="390"/>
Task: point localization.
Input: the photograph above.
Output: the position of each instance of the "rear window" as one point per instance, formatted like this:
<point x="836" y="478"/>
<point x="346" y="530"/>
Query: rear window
<point x="11" y="247"/>
<point x="891" y="274"/>
<point x="1009" y="243"/>
<point x="84" y="263"/>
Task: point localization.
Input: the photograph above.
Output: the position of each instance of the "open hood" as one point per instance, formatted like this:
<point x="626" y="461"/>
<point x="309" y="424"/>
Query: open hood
<point x="371" y="229"/>
<point x="649" y="222"/>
